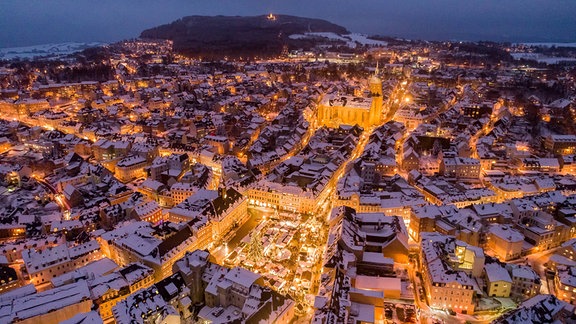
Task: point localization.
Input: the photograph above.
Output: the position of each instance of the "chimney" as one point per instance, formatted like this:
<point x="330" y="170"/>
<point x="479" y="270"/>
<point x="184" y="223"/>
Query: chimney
<point x="222" y="192"/>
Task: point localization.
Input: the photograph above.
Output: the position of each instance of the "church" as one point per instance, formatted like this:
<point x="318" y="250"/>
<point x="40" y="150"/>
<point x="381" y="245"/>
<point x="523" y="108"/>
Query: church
<point x="336" y="109"/>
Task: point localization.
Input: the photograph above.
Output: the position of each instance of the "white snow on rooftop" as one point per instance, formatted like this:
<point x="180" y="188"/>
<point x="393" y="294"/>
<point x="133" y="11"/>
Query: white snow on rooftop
<point x="44" y="302"/>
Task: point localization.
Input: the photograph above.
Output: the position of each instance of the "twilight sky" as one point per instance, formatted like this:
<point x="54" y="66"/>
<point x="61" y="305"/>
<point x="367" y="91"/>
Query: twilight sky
<point x="30" y="22"/>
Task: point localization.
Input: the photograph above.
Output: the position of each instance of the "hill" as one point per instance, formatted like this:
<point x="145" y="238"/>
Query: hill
<point x="236" y="36"/>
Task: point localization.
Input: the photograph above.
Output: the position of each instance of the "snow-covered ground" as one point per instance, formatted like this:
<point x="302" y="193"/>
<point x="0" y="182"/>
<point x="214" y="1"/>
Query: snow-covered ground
<point x="551" y="44"/>
<point x="542" y="58"/>
<point x="351" y="39"/>
<point x="46" y="50"/>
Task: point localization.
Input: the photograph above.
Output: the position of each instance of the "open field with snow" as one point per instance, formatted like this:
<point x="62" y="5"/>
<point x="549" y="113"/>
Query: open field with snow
<point x="45" y="50"/>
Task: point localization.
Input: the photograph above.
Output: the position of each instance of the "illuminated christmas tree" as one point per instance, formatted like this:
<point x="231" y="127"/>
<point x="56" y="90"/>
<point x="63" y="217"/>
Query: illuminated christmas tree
<point x="255" y="248"/>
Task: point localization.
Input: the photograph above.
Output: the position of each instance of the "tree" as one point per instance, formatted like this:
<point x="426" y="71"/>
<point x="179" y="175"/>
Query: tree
<point x="436" y="147"/>
<point x="255" y="248"/>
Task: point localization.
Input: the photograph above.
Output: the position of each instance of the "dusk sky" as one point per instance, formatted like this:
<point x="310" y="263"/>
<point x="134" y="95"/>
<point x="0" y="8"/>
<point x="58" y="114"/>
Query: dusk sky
<point x="29" y="22"/>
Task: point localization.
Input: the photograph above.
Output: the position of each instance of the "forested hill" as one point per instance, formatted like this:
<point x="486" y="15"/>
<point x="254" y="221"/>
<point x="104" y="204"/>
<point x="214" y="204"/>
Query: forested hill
<point x="237" y="36"/>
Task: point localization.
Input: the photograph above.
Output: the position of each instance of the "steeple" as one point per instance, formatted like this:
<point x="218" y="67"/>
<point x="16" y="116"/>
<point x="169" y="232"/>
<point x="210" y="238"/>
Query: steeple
<point x="377" y="101"/>
<point x="376" y="83"/>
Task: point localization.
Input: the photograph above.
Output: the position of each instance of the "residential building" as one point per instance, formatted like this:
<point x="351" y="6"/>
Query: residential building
<point x="43" y="265"/>
<point x="539" y="309"/>
<point x="50" y="307"/>
<point x="448" y="268"/>
<point x="505" y="242"/>
<point x="131" y="168"/>
<point x="498" y="281"/>
<point x="526" y="282"/>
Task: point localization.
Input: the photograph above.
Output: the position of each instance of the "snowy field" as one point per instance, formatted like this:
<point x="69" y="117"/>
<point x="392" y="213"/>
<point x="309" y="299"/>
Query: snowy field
<point x="46" y="50"/>
<point x="542" y="58"/>
<point x="551" y="44"/>
<point x="351" y="39"/>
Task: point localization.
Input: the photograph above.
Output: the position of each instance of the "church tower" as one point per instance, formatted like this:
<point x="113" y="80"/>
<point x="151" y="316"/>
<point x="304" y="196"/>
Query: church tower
<point x="377" y="100"/>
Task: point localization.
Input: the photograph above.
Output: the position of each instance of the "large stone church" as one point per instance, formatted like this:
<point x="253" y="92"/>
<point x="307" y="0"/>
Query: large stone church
<point x="336" y="109"/>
